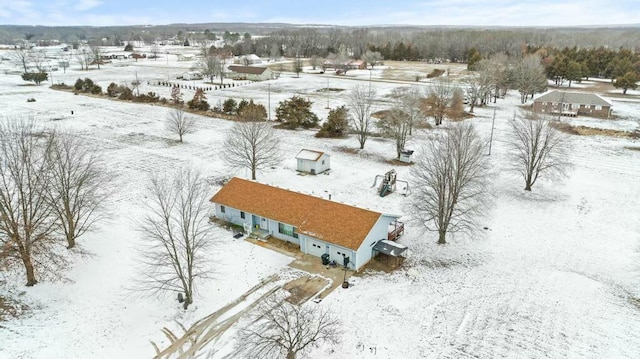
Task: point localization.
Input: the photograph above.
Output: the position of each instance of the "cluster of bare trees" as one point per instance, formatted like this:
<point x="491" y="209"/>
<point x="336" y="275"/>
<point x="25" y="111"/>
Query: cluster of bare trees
<point x="52" y="190"/>
<point x="452" y="177"/>
<point x="175" y="233"/>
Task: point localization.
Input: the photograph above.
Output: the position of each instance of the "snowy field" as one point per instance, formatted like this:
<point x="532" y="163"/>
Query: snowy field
<point x="554" y="275"/>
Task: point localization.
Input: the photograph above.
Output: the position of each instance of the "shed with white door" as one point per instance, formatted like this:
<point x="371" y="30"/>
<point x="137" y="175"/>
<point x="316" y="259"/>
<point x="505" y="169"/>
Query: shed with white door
<point x="312" y="162"/>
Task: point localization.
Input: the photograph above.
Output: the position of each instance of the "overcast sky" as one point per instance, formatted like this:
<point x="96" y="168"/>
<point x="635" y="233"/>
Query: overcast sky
<point x="330" y="12"/>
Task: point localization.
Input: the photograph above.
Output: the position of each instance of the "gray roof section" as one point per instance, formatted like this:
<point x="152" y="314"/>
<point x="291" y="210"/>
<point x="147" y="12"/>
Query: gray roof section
<point x="389" y="248"/>
<point x="580" y="98"/>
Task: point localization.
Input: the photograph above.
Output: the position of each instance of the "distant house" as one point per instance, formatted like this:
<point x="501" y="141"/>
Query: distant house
<point x="137" y="56"/>
<point x="323" y="228"/>
<point x="246" y="60"/>
<point x="572" y="104"/>
<point x="313" y="162"/>
<point x="191" y="76"/>
<point x="186" y="57"/>
<point x="252" y="73"/>
<point x="357" y="65"/>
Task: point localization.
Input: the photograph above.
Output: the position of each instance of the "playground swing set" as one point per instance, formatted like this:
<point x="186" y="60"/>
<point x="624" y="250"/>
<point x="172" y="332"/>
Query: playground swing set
<point x="388" y="184"/>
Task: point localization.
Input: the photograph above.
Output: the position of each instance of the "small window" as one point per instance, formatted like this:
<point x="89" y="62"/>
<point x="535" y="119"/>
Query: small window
<point x="322" y="161"/>
<point x="222" y="209"/>
<point x="242" y="215"/>
<point x="598" y="107"/>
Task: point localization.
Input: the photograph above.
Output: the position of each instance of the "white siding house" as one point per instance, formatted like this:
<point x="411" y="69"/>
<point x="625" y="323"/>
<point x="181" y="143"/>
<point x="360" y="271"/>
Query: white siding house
<point x="313" y="162"/>
<point x="317" y="225"/>
<point x="251" y="73"/>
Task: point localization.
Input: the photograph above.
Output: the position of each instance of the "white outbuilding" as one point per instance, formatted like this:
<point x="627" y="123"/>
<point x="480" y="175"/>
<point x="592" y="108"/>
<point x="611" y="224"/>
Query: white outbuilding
<point x="313" y="162"/>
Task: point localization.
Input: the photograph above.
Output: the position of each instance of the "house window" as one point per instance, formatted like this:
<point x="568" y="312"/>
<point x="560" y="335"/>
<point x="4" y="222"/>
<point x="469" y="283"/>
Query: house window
<point x="242" y="215"/>
<point x="598" y="107"/>
<point x="287" y="230"/>
<point x="222" y="209"/>
<point x="322" y="161"/>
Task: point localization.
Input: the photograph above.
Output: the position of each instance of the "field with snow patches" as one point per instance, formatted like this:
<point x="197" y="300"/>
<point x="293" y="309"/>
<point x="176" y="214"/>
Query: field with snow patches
<point x="554" y="275"/>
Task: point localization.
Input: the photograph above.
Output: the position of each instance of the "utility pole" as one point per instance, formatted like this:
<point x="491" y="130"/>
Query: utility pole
<point x="493" y="121"/>
<point x="269" y="97"/>
<point x="327" y="89"/>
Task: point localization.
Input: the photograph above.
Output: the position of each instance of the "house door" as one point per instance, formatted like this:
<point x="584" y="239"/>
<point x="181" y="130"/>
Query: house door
<point x="258" y="222"/>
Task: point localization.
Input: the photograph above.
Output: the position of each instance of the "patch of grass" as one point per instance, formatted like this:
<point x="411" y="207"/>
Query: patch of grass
<point x="10" y="308"/>
<point x="435" y="73"/>
<point x="637" y="148"/>
<point x="592" y="131"/>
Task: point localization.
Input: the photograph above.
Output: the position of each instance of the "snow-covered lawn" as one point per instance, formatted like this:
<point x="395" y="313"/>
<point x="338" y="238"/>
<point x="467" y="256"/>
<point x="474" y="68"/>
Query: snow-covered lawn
<point x="555" y="274"/>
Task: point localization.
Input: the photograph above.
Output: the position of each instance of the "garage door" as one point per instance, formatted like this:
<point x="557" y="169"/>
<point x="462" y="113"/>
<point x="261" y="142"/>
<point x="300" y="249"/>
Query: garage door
<point x="316" y="248"/>
<point x="338" y="254"/>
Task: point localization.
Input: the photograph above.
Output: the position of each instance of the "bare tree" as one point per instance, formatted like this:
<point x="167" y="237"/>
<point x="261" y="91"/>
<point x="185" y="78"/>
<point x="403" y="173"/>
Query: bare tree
<point x="39" y="60"/>
<point x="252" y="145"/>
<point x="210" y="66"/>
<point x="371" y="58"/>
<point x="297" y="65"/>
<point x="410" y="100"/>
<point x="402" y="116"/>
<point x="536" y="148"/>
<point x="78" y="185"/>
<point x="175" y="231"/>
<point x="438" y="102"/>
<point x="179" y="123"/>
<point x="64" y="59"/>
<point x="84" y="58"/>
<point x="281" y="329"/>
<point x="360" y="102"/>
<point x="26" y="218"/>
<point x="478" y="86"/>
<point x="21" y="56"/>
<point x="315" y="61"/>
<point x="528" y="77"/>
<point x="96" y="54"/>
<point x="451" y="178"/>
<point x="155" y="50"/>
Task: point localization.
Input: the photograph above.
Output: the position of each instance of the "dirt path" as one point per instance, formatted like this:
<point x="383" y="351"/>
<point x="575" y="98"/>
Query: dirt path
<point x="210" y="328"/>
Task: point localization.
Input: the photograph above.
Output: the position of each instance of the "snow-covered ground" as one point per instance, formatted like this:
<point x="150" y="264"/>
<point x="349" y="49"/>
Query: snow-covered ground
<point x="555" y="273"/>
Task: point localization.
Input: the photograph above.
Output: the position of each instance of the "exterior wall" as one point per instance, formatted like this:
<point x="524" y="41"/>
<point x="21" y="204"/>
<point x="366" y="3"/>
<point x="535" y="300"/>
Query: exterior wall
<point x="232" y="215"/>
<point x="274" y="231"/>
<point x="379" y="232"/>
<point x="585" y="110"/>
<point x="305" y="165"/>
<point x="335" y="252"/>
<point x="318" y="166"/>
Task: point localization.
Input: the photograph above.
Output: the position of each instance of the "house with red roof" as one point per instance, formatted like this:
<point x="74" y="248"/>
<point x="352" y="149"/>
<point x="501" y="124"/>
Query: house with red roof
<point x="319" y="226"/>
